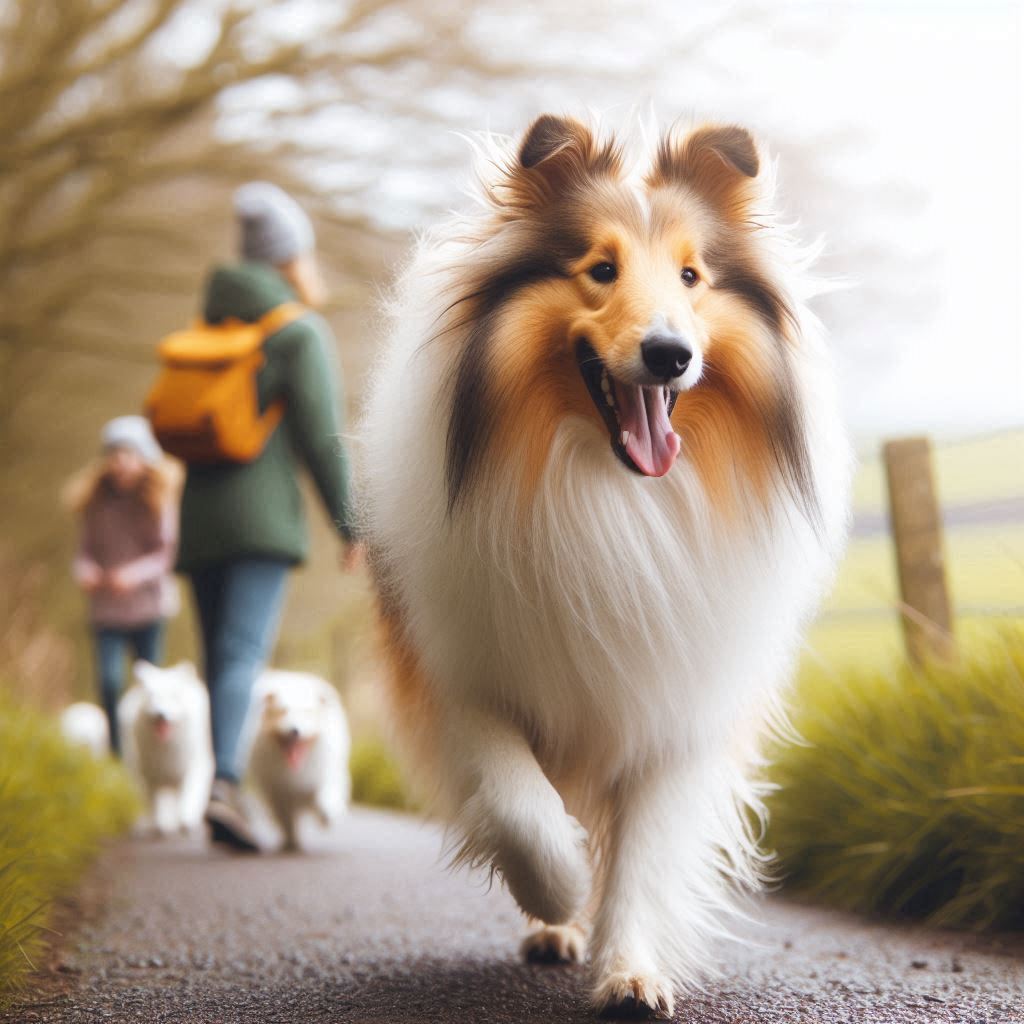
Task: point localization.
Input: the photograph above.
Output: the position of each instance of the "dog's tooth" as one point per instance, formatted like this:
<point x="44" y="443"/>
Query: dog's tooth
<point x="624" y="438"/>
<point x="609" y="399"/>
<point x="606" y="384"/>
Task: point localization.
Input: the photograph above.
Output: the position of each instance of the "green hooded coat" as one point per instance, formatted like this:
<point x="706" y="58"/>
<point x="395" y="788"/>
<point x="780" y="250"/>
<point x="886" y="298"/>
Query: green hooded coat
<point x="255" y="509"/>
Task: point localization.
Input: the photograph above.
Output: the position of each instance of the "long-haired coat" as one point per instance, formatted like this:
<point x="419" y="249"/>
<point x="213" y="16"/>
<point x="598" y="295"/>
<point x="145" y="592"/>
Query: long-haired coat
<point x="605" y="482"/>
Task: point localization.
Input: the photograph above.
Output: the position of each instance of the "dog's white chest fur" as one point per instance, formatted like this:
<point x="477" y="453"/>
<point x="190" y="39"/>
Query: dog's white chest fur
<point x="623" y="615"/>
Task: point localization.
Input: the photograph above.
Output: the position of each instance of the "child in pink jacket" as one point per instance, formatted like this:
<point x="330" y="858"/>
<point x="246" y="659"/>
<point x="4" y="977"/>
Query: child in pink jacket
<point x="127" y="509"/>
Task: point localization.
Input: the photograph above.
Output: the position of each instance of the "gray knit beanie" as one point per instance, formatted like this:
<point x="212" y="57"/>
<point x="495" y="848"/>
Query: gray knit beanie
<point x="274" y="228"/>
<point x="132" y="432"/>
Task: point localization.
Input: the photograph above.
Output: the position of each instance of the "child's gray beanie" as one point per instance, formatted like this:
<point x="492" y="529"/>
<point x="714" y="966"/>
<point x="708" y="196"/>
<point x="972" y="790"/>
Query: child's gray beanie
<point x="132" y="432"/>
<point x="274" y="228"/>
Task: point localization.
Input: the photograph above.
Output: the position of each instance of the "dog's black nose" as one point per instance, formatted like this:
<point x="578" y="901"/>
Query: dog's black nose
<point x="293" y="733"/>
<point x="666" y="355"/>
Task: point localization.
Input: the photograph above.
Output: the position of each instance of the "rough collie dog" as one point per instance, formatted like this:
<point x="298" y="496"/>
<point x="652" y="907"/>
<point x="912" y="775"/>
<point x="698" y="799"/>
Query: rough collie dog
<point x="297" y="750"/>
<point x="164" y="722"/>
<point x="85" y="725"/>
<point x="605" y="482"/>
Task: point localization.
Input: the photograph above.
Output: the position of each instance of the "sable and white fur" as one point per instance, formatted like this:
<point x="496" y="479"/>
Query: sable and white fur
<point x="85" y="725"/>
<point x="297" y="750"/>
<point x="584" y="659"/>
<point x="164" y="721"/>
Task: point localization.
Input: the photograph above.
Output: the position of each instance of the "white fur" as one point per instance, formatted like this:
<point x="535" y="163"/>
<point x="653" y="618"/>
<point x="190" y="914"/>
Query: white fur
<point x="615" y="660"/>
<point x="174" y="771"/>
<point x="310" y="710"/>
<point x="85" y="725"/>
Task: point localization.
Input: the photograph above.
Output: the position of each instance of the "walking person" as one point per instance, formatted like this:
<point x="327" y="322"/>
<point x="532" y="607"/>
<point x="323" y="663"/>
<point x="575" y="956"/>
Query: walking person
<point x="242" y="521"/>
<point x="126" y="504"/>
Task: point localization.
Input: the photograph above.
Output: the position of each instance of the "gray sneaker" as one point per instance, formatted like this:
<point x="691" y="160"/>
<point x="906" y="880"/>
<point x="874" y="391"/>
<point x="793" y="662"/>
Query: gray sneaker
<point x="228" y="820"/>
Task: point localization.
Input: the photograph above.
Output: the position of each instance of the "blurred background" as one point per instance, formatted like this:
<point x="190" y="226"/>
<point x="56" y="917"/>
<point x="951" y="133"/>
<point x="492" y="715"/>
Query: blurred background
<point x="126" y="124"/>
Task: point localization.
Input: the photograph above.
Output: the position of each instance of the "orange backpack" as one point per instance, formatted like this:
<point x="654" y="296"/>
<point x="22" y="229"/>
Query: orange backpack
<point x="204" y="406"/>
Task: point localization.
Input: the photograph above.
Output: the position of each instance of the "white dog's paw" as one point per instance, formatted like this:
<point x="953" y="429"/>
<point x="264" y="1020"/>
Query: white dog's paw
<point x="638" y="996"/>
<point x="555" y="944"/>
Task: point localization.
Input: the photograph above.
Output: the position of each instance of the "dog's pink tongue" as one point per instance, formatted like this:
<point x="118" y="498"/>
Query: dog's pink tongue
<point x="295" y="754"/>
<point x="652" y="443"/>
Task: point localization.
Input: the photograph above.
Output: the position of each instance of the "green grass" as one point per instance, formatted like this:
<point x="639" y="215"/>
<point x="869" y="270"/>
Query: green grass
<point x="908" y="797"/>
<point x="376" y="779"/>
<point x="57" y="806"/>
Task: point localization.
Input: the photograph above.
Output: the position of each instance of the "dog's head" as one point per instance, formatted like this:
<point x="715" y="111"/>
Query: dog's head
<point x="291" y="716"/>
<point x="640" y="298"/>
<point x="164" y="703"/>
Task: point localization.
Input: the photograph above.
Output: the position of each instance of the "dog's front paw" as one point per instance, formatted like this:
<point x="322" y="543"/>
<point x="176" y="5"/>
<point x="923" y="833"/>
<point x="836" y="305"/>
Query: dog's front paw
<point x="635" y="996"/>
<point x="555" y="944"/>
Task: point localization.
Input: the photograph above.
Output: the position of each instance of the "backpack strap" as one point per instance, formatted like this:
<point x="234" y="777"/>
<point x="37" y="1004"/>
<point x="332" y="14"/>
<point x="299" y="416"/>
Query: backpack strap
<point x="270" y="323"/>
<point x="280" y="317"/>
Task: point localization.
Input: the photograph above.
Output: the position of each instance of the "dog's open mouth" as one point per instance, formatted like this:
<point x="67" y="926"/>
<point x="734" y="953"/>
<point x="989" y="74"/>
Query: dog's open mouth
<point x="637" y="417"/>
<point x="294" y="749"/>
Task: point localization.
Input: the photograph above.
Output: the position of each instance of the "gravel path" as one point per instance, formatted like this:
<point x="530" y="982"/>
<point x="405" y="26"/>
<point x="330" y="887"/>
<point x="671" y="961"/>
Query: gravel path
<point x="371" y="929"/>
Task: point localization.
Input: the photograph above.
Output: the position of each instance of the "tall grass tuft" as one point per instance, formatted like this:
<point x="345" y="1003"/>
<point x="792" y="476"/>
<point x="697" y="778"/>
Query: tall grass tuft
<point x="376" y="779"/>
<point x="908" y="797"/>
<point x="57" y="805"/>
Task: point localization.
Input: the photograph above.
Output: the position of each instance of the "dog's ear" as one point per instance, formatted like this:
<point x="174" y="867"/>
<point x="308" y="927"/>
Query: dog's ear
<point x="143" y="671"/>
<point x="558" y="154"/>
<point x="189" y="668"/>
<point x="549" y="136"/>
<point x="717" y="161"/>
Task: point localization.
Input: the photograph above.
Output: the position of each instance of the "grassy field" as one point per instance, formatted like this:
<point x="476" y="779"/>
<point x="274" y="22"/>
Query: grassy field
<point x="980" y="479"/>
<point x="57" y="806"/>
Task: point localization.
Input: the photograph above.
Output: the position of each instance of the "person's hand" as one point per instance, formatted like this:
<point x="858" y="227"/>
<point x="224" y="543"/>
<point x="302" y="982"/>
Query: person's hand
<point x="90" y="577"/>
<point x="116" y="583"/>
<point x="352" y="557"/>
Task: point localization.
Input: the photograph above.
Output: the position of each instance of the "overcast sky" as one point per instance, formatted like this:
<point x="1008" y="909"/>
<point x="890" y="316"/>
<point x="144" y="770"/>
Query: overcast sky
<point x="898" y="127"/>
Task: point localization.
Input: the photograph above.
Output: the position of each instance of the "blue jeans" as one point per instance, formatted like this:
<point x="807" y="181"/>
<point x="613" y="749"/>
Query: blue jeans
<point x="239" y="607"/>
<point x="146" y="643"/>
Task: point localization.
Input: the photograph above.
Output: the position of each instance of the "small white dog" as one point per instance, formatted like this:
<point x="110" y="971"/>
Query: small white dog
<point x="85" y="725"/>
<point x="297" y="747"/>
<point x="165" y="735"/>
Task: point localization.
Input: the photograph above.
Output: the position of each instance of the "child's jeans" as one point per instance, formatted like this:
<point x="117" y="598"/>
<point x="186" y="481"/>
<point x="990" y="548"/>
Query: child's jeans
<point x="146" y="643"/>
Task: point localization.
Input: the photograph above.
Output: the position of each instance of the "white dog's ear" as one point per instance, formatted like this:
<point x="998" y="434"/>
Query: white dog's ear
<point x="144" y="671"/>
<point x="187" y="667"/>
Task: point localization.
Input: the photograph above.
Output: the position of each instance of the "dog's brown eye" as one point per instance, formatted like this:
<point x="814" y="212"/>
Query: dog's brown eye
<point x="604" y="273"/>
<point x="690" y="276"/>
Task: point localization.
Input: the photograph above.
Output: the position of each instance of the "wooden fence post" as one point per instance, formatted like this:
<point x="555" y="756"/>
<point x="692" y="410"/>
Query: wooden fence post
<point x="916" y="520"/>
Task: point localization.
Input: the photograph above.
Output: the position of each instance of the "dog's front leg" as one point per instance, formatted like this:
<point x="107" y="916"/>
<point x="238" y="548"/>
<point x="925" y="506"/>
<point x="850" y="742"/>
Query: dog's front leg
<point x="509" y="816"/>
<point x="660" y="890"/>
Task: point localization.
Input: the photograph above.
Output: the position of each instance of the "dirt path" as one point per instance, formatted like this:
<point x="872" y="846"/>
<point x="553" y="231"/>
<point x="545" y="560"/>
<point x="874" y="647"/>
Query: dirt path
<point x="372" y="930"/>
